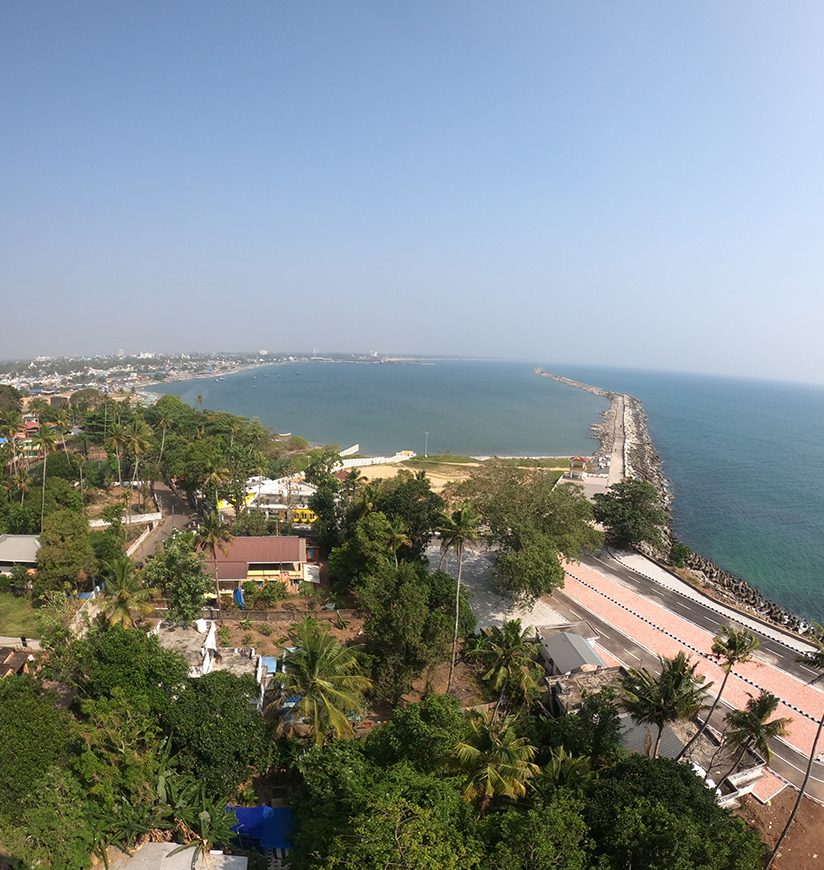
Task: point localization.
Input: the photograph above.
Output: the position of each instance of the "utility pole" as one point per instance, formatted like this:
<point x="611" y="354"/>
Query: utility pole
<point x="426" y="445"/>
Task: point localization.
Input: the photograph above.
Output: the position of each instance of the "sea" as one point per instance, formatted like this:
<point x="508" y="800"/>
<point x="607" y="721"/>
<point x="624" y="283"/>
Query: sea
<point x="745" y="458"/>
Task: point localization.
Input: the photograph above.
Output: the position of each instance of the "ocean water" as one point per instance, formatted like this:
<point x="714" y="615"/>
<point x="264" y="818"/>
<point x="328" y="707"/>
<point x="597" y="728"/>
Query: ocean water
<point x="471" y="407"/>
<point x="745" y="459"/>
<point x="746" y="464"/>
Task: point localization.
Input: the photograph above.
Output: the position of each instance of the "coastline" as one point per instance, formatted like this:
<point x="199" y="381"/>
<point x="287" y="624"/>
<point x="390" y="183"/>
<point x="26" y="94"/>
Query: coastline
<point x="624" y="435"/>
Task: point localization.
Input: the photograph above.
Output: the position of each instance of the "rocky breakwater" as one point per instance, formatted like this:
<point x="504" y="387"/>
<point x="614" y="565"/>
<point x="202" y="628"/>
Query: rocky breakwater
<point x="741" y="594"/>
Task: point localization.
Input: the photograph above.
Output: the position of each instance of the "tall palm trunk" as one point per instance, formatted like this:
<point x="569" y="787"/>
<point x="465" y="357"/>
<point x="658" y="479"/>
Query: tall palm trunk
<point x="43" y="490"/>
<point x="706" y="721"/>
<point x="801" y="791"/>
<point x="656" y="748"/>
<point x="162" y="445"/>
<point x="457" y="617"/>
<point x="217" y="588"/>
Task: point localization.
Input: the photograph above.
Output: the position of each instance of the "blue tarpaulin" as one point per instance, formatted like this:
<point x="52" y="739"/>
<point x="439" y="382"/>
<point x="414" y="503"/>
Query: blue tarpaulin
<point x="238" y="594"/>
<point x="271" y="827"/>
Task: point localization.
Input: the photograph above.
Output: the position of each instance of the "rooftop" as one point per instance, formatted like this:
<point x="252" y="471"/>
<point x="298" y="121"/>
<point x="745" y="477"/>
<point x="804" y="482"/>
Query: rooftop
<point x="240" y="552"/>
<point x="569" y="651"/>
<point x="19" y="549"/>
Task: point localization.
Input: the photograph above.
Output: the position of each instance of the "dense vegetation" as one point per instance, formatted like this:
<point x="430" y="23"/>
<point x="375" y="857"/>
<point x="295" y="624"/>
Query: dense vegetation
<point x="113" y="739"/>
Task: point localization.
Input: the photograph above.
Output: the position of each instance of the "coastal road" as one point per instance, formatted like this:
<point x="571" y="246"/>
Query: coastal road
<point x="786" y="761"/>
<point x="607" y="594"/>
<point x="703" y="615"/>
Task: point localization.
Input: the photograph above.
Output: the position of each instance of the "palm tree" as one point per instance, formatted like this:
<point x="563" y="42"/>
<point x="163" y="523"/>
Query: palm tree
<point x="164" y="420"/>
<point x="496" y="762"/>
<point x="733" y="646"/>
<point x="214" y="535"/>
<point x="750" y="729"/>
<point x="124" y="594"/>
<point x="11" y="424"/>
<point x="216" y="475"/>
<point x="676" y="693"/>
<point x="118" y="439"/>
<point x="353" y="482"/>
<point x="326" y="678"/>
<point x="456" y="531"/>
<point x="397" y="538"/>
<point x="565" y="769"/>
<point x="45" y="442"/>
<point x="138" y="438"/>
<point x="509" y="658"/>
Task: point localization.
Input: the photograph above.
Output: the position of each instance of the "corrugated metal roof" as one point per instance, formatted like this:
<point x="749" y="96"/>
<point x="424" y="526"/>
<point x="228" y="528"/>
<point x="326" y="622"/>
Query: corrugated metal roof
<point x="240" y="552"/>
<point x="570" y="651"/>
<point x="19" y="548"/>
<point x="639" y="738"/>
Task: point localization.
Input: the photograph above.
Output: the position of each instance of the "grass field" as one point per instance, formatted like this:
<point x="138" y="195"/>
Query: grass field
<point x="17" y="618"/>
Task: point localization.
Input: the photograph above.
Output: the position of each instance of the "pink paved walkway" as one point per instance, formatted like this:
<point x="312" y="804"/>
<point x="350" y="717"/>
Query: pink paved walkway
<point x="665" y="633"/>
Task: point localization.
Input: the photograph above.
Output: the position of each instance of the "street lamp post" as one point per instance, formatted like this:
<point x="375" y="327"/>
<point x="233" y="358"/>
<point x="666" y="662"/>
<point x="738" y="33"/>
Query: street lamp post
<point x="426" y="445"/>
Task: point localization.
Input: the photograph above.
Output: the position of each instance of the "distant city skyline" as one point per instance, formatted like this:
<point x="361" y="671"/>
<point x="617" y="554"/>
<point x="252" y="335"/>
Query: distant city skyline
<point x="622" y="185"/>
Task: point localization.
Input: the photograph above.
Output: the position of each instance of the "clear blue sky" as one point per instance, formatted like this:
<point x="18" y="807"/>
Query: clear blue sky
<point x="638" y="184"/>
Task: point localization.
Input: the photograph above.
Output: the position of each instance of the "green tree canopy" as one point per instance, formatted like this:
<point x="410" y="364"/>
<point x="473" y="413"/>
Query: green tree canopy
<point x="65" y="559"/>
<point x="424" y="734"/>
<point x="631" y="512"/>
<point x="179" y="573"/>
<point x="218" y="734"/>
<point x="35" y="734"/>
<point x="112" y="658"/>
<point x="408" y="623"/>
<point x="652" y="813"/>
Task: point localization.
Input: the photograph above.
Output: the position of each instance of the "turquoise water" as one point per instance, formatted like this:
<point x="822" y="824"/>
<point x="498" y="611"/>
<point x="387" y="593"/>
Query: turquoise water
<point x="746" y="463"/>
<point x="745" y="458"/>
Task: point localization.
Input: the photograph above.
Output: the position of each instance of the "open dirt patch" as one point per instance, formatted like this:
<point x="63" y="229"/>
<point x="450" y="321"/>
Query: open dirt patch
<point x="803" y="848"/>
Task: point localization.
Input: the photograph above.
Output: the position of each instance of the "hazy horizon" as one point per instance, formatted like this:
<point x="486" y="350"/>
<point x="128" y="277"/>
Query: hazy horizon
<point x="617" y="185"/>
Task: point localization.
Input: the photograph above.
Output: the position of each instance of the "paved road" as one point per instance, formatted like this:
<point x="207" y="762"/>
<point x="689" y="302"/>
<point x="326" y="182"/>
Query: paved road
<point x="176" y="514"/>
<point x="770" y="652"/>
<point x="787" y="761"/>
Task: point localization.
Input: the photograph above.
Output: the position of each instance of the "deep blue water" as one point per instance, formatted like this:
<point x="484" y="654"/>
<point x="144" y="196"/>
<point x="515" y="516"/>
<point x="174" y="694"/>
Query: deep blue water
<point x="745" y="458"/>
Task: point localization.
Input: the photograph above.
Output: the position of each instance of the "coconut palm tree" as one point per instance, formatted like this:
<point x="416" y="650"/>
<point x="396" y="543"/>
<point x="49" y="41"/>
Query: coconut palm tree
<point x="216" y="476"/>
<point x="752" y="728"/>
<point x="164" y="420"/>
<point x="457" y="530"/>
<point x="397" y="538"/>
<point x="10" y="424"/>
<point x="495" y="761"/>
<point x="45" y="442"/>
<point x="509" y="658"/>
<point x="732" y="646"/>
<point x="676" y="693"/>
<point x="565" y="769"/>
<point x="138" y="438"/>
<point x="327" y="680"/>
<point x="214" y="535"/>
<point x="125" y="595"/>
<point x="118" y="439"/>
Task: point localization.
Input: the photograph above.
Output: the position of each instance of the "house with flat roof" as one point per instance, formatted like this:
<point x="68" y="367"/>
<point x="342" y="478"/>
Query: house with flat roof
<point x="263" y="559"/>
<point x="18" y="550"/>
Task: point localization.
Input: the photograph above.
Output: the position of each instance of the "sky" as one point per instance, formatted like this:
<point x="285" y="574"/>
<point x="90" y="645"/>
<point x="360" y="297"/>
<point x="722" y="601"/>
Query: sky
<point x="607" y="183"/>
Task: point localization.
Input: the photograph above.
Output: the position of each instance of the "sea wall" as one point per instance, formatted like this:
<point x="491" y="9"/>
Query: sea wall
<point x="626" y="419"/>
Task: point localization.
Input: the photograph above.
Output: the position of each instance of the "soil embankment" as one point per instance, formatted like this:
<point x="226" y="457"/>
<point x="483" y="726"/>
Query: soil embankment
<point x="625" y="441"/>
